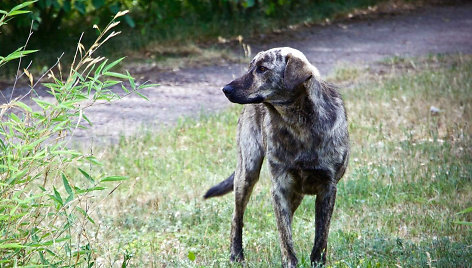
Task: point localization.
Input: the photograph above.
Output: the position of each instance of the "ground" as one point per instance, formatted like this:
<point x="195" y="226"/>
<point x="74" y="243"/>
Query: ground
<point x="365" y="42"/>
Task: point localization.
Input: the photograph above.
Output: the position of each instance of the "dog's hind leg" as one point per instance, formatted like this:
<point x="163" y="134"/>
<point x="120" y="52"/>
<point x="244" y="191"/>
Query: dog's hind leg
<point x="251" y="156"/>
<point x="324" y="209"/>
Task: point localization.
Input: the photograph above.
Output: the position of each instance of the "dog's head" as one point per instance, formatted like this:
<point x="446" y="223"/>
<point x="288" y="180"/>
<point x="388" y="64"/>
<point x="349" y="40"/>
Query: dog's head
<point x="274" y="76"/>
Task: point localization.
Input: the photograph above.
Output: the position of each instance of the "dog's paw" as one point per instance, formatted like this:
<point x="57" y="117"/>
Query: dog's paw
<point x="317" y="260"/>
<point x="237" y="257"/>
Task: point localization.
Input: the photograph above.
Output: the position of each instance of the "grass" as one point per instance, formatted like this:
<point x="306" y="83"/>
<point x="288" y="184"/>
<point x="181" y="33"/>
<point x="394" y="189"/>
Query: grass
<point x="410" y="173"/>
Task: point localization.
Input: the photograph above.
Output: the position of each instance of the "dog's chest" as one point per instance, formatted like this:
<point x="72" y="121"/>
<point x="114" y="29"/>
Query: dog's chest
<point x="294" y="148"/>
<point x="298" y="151"/>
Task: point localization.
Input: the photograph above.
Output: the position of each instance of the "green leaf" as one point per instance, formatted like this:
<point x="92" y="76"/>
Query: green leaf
<point x="18" y="54"/>
<point x="86" y="119"/>
<point x="66" y="6"/>
<point x="50" y="242"/>
<point x="129" y="21"/>
<point x="22" y="5"/>
<point x="34" y="143"/>
<point x="115" y="8"/>
<point x="96" y="188"/>
<point x="17" y="175"/>
<point x="2" y="144"/>
<point x="23" y="105"/>
<point x="80" y="7"/>
<point x="249" y="3"/>
<point x="110" y="83"/>
<point x="99" y="70"/>
<point x="111" y="65"/>
<point x="467" y="210"/>
<point x="69" y="199"/>
<point x="43" y="260"/>
<point x="131" y="81"/>
<point x="124" y="88"/>
<point x="12" y="212"/>
<point x="12" y="245"/>
<point x="60" y="126"/>
<point x="64" y="152"/>
<point x="67" y="185"/>
<point x="114" y="178"/>
<point x="93" y="160"/>
<point x="86" y="175"/>
<point x="83" y="212"/>
<point x="18" y="12"/>
<point x="14" y="117"/>
<point x="142" y="86"/>
<point x="58" y="197"/>
<point x="43" y="104"/>
<point x="98" y="3"/>
<point x="191" y="256"/>
<point x="56" y="4"/>
<point x="141" y="95"/>
<point x="117" y="75"/>
<point x="464" y="223"/>
<point x="7" y="168"/>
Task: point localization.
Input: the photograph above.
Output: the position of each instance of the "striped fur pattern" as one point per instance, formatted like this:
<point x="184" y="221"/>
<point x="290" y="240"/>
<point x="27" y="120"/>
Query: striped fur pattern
<point x="298" y="123"/>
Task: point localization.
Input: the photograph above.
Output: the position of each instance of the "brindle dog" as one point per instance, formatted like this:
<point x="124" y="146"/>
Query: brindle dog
<point x="298" y="122"/>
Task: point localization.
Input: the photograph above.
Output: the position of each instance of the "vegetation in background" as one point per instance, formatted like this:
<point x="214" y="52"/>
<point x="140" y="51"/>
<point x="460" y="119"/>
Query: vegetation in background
<point x="51" y="15"/>
<point x="45" y="209"/>
<point x="156" y="28"/>
<point x="410" y="173"/>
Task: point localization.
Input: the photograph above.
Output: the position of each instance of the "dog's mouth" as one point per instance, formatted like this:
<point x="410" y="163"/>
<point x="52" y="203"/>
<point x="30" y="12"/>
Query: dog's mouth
<point x="244" y="100"/>
<point x="233" y="95"/>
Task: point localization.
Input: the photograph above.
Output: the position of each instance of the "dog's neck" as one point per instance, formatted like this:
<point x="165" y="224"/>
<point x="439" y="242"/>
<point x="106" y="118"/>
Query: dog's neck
<point x="312" y="108"/>
<point x="295" y="113"/>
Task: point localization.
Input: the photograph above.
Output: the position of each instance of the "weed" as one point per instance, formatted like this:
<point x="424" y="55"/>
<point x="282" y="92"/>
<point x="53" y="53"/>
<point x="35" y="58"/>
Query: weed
<point x="45" y="213"/>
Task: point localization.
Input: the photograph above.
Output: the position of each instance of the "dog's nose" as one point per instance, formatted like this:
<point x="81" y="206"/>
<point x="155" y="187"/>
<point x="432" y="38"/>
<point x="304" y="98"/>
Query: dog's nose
<point x="227" y="89"/>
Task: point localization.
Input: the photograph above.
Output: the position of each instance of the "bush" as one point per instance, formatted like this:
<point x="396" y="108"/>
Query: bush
<point x="47" y="195"/>
<point x="49" y="15"/>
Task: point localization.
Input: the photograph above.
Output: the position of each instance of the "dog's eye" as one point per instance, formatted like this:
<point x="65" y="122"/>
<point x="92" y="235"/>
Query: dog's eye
<point x="261" y="69"/>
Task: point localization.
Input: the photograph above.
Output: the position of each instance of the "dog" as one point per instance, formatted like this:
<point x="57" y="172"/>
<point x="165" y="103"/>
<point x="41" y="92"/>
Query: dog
<point x="299" y="124"/>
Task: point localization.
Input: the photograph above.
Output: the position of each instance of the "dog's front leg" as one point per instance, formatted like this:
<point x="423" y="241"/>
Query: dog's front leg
<point x="243" y="185"/>
<point x="285" y="202"/>
<point x="251" y="156"/>
<point x="324" y="209"/>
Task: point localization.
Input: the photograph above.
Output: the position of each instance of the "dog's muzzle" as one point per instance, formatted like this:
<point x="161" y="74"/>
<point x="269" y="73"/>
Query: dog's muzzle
<point x="234" y="95"/>
<point x="228" y="90"/>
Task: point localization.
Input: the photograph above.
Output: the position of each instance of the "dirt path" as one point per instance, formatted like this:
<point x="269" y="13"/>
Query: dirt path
<point x="187" y="92"/>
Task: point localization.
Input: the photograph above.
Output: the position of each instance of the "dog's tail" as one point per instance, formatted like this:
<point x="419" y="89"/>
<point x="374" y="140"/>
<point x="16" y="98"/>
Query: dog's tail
<point x="221" y="188"/>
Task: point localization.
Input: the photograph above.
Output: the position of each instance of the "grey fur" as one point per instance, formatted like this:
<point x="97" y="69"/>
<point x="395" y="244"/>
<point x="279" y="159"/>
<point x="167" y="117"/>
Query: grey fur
<point x="298" y="122"/>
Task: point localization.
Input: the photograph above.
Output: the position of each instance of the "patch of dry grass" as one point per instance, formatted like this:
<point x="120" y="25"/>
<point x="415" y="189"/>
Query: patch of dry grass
<point x="175" y="57"/>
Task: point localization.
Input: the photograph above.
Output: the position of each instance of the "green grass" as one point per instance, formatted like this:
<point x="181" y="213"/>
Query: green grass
<point x="410" y="173"/>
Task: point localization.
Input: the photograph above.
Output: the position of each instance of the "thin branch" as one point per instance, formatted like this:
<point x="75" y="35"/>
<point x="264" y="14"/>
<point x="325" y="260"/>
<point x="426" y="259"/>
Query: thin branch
<point x="41" y="77"/>
<point x="27" y="67"/>
<point x="75" y="56"/>
<point x="19" y="63"/>
<point x="76" y="127"/>
<point x="3" y="96"/>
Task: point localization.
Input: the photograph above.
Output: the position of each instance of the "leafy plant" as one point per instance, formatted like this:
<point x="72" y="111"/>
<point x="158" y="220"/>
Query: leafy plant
<point x="45" y="207"/>
<point x="49" y="15"/>
<point x="465" y="211"/>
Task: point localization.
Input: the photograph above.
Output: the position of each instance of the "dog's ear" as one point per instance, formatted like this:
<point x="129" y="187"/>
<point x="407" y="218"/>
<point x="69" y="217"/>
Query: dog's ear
<point x="296" y="72"/>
